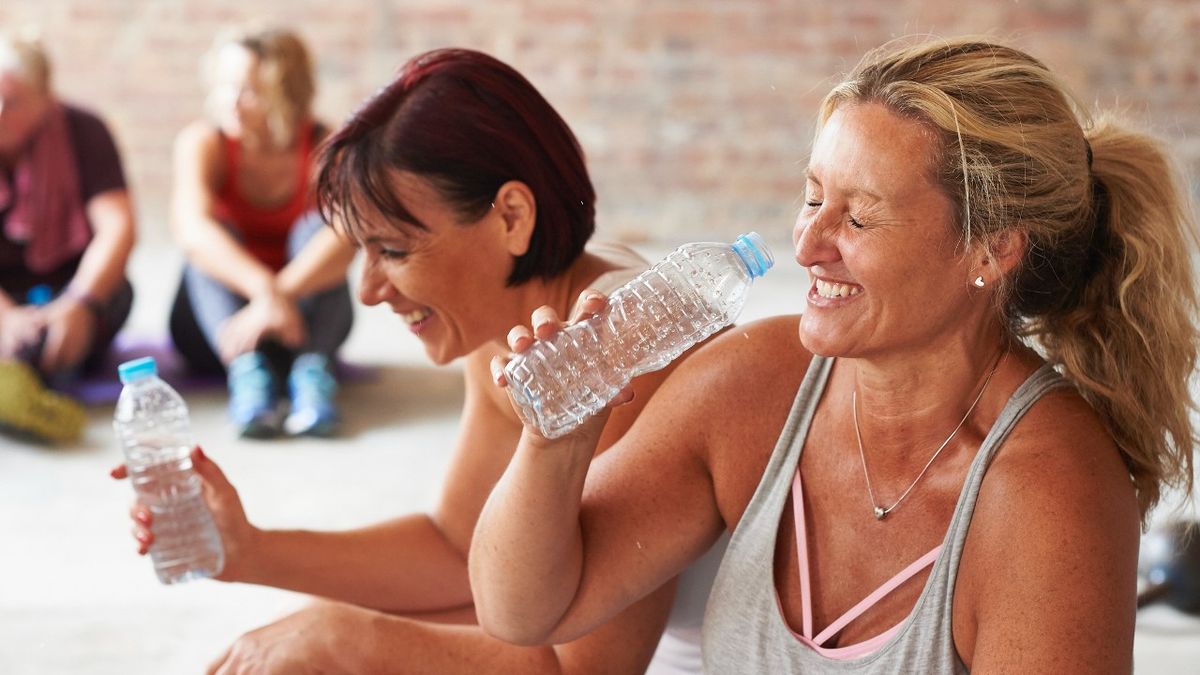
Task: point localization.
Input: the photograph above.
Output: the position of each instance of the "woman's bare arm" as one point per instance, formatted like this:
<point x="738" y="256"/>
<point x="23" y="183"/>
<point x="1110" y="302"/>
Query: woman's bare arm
<point x="206" y="242"/>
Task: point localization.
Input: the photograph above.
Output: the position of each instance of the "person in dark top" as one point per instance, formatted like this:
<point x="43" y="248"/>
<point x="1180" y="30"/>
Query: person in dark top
<point x="264" y="296"/>
<point x="66" y="231"/>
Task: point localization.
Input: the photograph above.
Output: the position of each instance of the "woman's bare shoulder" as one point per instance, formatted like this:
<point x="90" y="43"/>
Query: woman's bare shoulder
<point x="743" y="379"/>
<point x="198" y="150"/>
<point x="742" y="365"/>
<point x="1056" y="508"/>
<point x="199" y="134"/>
<point x="1051" y="557"/>
<point x="1059" y="453"/>
<point x="762" y="345"/>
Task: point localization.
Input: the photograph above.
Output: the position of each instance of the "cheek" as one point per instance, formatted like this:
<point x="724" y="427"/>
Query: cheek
<point x="12" y="127"/>
<point x="429" y="285"/>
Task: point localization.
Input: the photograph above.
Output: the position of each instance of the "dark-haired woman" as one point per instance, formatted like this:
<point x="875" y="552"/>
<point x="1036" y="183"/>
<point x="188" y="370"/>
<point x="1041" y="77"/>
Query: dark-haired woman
<point x="469" y="196"/>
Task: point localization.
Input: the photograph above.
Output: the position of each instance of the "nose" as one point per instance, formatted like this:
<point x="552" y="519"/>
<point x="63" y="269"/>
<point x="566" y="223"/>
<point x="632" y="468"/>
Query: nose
<point x="375" y="286"/>
<point x="813" y="241"/>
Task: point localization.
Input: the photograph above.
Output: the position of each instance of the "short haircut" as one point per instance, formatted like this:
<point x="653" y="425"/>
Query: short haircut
<point x="26" y="56"/>
<point x="467" y="123"/>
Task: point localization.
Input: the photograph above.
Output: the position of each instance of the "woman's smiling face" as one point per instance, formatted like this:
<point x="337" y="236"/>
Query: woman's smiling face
<point x="235" y="96"/>
<point x="446" y="282"/>
<point x="877" y="236"/>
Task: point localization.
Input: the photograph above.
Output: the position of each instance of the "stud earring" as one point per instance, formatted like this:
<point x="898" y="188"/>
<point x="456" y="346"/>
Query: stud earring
<point x="978" y="281"/>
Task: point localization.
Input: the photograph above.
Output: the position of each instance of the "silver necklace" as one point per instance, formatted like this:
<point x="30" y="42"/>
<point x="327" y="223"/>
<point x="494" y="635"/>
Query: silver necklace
<point x="881" y="512"/>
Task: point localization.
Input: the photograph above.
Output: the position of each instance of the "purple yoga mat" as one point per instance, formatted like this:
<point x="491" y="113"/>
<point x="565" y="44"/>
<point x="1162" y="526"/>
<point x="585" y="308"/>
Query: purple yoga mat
<point x="102" y="386"/>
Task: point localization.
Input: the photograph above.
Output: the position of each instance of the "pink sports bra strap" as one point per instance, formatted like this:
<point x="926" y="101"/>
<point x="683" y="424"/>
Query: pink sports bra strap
<point x="869" y="601"/>
<point x="802" y="554"/>
<point x="806" y="582"/>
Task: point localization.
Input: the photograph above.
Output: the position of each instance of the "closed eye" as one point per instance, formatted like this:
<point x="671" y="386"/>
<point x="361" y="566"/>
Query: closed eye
<point x="392" y="254"/>
<point x="854" y="222"/>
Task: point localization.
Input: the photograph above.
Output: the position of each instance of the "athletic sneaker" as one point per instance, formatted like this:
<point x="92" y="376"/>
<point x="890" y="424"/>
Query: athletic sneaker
<point x="313" y="390"/>
<point x="27" y="406"/>
<point x="254" y="406"/>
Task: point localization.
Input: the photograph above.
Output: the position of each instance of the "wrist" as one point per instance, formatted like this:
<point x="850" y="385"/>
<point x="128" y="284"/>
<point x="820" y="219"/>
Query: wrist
<point x="381" y="639"/>
<point x="275" y="294"/>
<point x="85" y="299"/>
<point x="243" y="557"/>
<point x="283" y="289"/>
<point x="264" y="287"/>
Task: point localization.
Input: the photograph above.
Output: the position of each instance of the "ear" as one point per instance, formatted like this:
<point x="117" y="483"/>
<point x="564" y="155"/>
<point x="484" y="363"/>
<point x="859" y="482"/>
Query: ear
<point x="1004" y="252"/>
<point x="516" y="206"/>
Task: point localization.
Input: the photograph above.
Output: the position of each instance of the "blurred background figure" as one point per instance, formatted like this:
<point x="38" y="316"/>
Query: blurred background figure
<point x="264" y="295"/>
<point x="66" y="230"/>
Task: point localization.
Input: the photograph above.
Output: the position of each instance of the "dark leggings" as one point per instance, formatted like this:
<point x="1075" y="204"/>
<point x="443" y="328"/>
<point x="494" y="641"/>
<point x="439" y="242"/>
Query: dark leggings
<point x="202" y="304"/>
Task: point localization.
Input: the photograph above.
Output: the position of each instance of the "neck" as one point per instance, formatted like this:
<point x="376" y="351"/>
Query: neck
<point x="560" y="292"/>
<point x="908" y="404"/>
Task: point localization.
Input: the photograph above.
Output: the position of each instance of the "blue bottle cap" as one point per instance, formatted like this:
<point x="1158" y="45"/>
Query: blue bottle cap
<point x="39" y="295"/>
<point x="753" y="251"/>
<point x="134" y="370"/>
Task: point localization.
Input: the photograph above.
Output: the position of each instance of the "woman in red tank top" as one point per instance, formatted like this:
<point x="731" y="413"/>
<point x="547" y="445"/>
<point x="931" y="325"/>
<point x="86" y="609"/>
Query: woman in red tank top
<point x="261" y="267"/>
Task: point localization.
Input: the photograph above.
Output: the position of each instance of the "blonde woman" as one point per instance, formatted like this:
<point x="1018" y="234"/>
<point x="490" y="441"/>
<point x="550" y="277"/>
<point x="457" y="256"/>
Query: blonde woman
<point x="264" y="295"/>
<point x="948" y="470"/>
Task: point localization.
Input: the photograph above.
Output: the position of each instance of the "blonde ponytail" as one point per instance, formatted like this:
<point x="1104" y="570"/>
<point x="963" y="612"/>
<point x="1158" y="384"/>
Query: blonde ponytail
<point x="1129" y="340"/>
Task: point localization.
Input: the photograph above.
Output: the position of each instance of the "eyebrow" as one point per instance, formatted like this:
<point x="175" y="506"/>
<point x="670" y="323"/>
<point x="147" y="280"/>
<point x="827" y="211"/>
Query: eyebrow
<point x="852" y="191"/>
<point x="376" y="239"/>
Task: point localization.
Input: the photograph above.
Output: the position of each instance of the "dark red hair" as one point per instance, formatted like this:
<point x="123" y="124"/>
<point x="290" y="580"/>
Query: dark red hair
<point x="468" y="124"/>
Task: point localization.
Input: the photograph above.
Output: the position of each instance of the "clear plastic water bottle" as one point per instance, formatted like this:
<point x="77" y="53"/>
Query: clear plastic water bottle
<point x="691" y="294"/>
<point x="152" y="424"/>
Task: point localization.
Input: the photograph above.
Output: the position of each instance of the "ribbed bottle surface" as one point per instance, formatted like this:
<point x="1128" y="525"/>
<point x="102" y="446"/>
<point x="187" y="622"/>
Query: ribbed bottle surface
<point x="691" y="294"/>
<point x="152" y="425"/>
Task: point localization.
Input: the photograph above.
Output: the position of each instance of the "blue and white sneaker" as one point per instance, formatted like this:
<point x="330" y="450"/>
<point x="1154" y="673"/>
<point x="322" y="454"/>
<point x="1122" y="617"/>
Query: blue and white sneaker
<point x="313" y="390"/>
<point x="253" y="402"/>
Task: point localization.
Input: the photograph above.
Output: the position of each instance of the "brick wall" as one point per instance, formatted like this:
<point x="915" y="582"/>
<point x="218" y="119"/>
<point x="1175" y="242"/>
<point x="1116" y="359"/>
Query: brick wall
<point x="695" y="114"/>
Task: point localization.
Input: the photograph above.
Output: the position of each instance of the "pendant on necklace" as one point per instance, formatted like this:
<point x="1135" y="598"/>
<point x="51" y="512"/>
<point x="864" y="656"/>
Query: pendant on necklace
<point x="880" y="513"/>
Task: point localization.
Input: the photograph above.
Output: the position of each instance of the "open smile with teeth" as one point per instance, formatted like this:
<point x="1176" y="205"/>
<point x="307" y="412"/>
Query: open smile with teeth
<point x="415" y="316"/>
<point x="827" y="289"/>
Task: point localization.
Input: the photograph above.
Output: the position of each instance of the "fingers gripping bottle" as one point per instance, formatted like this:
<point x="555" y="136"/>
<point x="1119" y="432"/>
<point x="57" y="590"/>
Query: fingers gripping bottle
<point x="152" y="425"/>
<point x="694" y="292"/>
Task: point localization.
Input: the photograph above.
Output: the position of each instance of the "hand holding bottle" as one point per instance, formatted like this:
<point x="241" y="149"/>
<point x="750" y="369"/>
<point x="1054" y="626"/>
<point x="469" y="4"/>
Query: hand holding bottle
<point x="544" y="325"/>
<point x="561" y="380"/>
<point x="237" y="534"/>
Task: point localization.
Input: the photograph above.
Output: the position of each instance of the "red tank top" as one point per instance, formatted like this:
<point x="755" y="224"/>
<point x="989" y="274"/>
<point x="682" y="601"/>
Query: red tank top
<point x="264" y="231"/>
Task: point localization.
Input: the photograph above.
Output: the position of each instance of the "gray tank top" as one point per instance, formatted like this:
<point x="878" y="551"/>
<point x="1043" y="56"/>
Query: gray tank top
<point x="744" y="629"/>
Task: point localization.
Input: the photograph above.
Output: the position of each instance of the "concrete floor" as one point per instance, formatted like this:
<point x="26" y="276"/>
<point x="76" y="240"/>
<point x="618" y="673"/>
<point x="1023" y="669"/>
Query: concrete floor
<point x="74" y="599"/>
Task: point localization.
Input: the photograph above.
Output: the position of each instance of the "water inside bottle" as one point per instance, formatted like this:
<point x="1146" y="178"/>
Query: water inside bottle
<point x="172" y="491"/>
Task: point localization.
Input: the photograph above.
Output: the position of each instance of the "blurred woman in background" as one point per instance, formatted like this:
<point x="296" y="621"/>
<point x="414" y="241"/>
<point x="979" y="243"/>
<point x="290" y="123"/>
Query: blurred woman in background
<point x="264" y="294"/>
<point x="66" y="231"/>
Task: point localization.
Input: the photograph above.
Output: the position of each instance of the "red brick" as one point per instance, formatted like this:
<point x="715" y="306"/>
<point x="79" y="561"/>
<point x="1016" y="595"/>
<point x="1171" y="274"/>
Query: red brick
<point x="683" y="106"/>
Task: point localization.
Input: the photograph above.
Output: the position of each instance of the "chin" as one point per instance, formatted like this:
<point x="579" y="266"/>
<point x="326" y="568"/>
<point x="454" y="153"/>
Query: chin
<point x="438" y="358"/>
<point x="440" y="355"/>
<point x="820" y="344"/>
